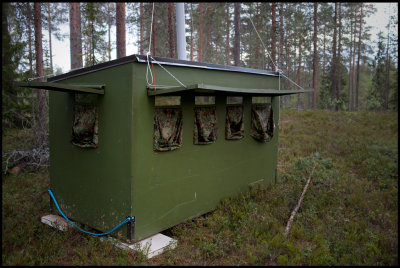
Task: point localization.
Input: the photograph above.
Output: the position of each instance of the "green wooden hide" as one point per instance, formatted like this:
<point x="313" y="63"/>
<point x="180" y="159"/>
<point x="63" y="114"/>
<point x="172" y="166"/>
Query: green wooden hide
<point x="123" y="176"/>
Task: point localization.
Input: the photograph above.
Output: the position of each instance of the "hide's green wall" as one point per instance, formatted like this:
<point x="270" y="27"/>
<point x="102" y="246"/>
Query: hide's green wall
<point x="93" y="185"/>
<point x="169" y="187"/>
<point x="125" y="177"/>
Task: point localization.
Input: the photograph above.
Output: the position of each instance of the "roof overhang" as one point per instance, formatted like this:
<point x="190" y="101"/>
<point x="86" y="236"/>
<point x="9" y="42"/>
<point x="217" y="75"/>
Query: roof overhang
<point x="212" y="89"/>
<point x="72" y="88"/>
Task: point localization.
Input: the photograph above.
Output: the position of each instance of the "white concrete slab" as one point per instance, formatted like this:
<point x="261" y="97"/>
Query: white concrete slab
<point x="56" y="221"/>
<point x="151" y="246"/>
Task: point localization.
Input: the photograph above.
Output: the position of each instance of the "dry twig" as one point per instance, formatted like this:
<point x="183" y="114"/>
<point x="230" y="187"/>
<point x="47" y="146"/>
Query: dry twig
<point x="299" y="203"/>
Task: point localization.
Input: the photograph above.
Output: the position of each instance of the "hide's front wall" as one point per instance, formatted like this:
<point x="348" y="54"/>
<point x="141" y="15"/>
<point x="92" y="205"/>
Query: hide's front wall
<point x="93" y="186"/>
<point x="125" y="177"/>
<point x="170" y="187"/>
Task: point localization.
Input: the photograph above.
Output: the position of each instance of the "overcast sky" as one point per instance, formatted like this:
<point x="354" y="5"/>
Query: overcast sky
<point x="61" y="50"/>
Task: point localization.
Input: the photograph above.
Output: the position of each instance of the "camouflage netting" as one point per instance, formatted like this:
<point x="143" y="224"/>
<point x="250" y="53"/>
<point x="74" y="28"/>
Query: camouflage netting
<point x="167" y="129"/>
<point x="234" y="127"/>
<point x="262" y="123"/>
<point x="205" y="125"/>
<point x="85" y="126"/>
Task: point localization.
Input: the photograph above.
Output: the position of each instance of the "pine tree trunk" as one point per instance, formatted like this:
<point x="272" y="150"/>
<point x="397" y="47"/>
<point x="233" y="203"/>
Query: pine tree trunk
<point x="236" y="46"/>
<point x="350" y="67"/>
<point x="5" y="53"/>
<point x="257" y="42"/>
<point x="200" y="53"/>
<point x="121" y="36"/>
<point x="281" y="36"/>
<point x="217" y="57"/>
<point x="353" y="71"/>
<point x="250" y="63"/>
<point x="171" y="39"/>
<point x="308" y="81"/>
<point x="334" y="58"/>
<point x="228" y="46"/>
<point x="273" y="44"/>
<point x="263" y="50"/>
<point x="386" y="106"/>
<point x="30" y="56"/>
<point x="299" y="74"/>
<point x="206" y="55"/>
<point x="339" y="68"/>
<point x="315" y="59"/>
<point x="288" y="64"/>
<point x="42" y="111"/>
<point x="324" y="53"/>
<point x="141" y="27"/>
<point x="281" y="41"/>
<point x="92" y="47"/>
<point x="75" y="35"/>
<point x="358" y="58"/>
<point x="288" y="67"/>
<point x="109" y="30"/>
<point x="154" y="32"/>
<point x="50" y="46"/>
<point x="86" y="45"/>
<point x="191" y="31"/>
<point x="387" y="71"/>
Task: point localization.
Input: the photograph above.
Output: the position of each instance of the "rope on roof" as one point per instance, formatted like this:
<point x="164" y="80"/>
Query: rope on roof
<point x="168" y="72"/>
<point x="148" y="52"/>
<point x="150" y="59"/>
<point x="263" y="45"/>
<point x="278" y="69"/>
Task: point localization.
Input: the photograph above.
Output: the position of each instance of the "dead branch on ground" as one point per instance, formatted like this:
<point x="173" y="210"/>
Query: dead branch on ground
<point x="35" y="158"/>
<point x="299" y="203"/>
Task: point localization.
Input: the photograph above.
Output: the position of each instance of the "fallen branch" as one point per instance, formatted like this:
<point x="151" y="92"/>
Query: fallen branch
<point x="35" y="158"/>
<point x="299" y="203"/>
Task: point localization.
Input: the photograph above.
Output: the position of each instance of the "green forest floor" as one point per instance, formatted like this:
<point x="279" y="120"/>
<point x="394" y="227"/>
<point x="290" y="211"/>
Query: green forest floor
<point x="349" y="215"/>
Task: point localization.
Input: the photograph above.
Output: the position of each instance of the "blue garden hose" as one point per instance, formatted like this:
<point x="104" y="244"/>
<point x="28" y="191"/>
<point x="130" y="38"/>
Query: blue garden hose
<point x="128" y="219"/>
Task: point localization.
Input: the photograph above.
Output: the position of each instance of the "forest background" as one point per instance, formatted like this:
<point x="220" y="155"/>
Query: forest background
<point x="320" y="46"/>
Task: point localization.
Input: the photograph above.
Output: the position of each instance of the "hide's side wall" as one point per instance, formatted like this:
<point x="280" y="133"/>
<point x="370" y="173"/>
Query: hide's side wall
<point x="93" y="185"/>
<point x="170" y="187"/>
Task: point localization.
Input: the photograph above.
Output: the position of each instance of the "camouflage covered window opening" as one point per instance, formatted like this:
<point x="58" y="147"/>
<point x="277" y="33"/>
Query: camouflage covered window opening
<point x="167" y="129"/>
<point x="234" y="125"/>
<point x="262" y="123"/>
<point x="85" y="126"/>
<point x="205" y="121"/>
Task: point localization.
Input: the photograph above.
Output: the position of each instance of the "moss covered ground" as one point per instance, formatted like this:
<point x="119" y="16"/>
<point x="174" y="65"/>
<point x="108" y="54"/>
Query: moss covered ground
<point x="349" y="215"/>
